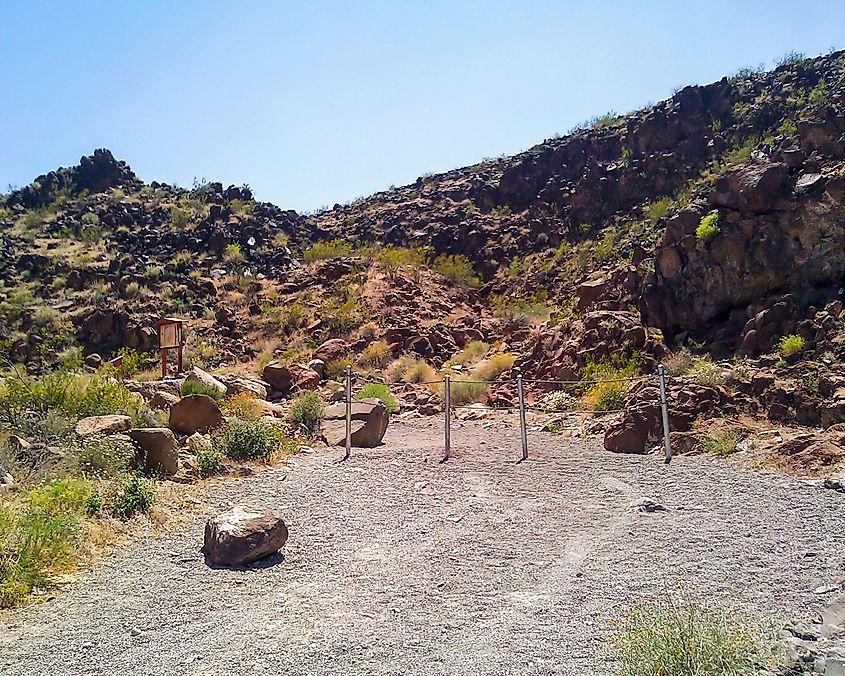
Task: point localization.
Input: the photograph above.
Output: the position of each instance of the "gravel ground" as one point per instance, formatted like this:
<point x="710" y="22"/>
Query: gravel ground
<point x="399" y="565"/>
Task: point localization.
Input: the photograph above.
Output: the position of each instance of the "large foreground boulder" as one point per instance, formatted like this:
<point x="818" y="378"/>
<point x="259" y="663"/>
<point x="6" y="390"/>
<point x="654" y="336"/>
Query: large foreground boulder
<point x="195" y="413"/>
<point x="103" y="424"/>
<point x="158" y="446"/>
<point x="370" y="418"/>
<point x="243" y="534"/>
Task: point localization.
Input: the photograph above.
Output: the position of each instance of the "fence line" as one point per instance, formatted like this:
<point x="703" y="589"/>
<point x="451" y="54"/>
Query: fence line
<point x="522" y="407"/>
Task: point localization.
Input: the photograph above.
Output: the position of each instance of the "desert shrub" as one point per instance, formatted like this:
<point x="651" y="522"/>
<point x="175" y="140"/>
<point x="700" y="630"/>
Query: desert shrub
<point x="131" y="494"/>
<point x="408" y="369"/>
<point x="394" y="258"/>
<point x="679" y="362"/>
<point x="558" y="401"/>
<point x="457" y="269"/>
<point x="209" y="460"/>
<point x="71" y="393"/>
<point x="708" y="226"/>
<point x="656" y="210"/>
<point x="491" y="368"/>
<point x="605" y="384"/>
<point x="248" y="440"/>
<point x="242" y="207"/>
<point x="379" y="391"/>
<point x="334" y="248"/>
<point x="670" y="638"/>
<point x="523" y="311"/>
<point x="196" y="387"/>
<point x="306" y="410"/>
<point x="233" y="254"/>
<point x="790" y="59"/>
<point x="791" y="344"/>
<point x="463" y="390"/>
<point x="375" y="354"/>
<point x="471" y="353"/>
<point x="721" y="442"/>
<point x="706" y="372"/>
<point x="344" y="311"/>
<point x="179" y="218"/>
<point x="336" y="367"/>
<point x="244" y="405"/>
<point x="131" y="362"/>
<point x="101" y="455"/>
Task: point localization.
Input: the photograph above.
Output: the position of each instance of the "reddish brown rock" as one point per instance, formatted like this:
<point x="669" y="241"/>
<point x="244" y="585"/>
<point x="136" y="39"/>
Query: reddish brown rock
<point x="242" y="535"/>
<point x="195" y="413"/>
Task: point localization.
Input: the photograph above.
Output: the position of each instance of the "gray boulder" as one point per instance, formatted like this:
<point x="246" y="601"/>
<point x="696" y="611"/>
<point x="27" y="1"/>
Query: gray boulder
<point x="158" y="446"/>
<point x="243" y="534"/>
<point x="370" y="419"/>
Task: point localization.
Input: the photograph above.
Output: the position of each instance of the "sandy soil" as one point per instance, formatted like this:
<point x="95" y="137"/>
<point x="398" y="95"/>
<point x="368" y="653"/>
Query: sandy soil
<point x="399" y="565"/>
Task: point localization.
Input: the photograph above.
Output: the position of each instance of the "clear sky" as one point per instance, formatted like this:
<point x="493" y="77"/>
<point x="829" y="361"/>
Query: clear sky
<point x="313" y="103"/>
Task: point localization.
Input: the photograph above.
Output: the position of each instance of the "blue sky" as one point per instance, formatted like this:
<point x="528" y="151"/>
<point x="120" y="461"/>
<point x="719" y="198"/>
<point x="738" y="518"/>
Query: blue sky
<point x="313" y="103"/>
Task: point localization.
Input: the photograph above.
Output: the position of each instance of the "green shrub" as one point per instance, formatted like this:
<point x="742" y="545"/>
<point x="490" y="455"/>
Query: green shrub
<point x="245" y="405"/>
<point x="196" y="387"/>
<point x="209" y="460"/>
<point x="248" y="440"/>
<point x="606" y="384"/>
<point x="491" y="368"/>
<point x="708" y="226"/>
<point x="457" y="269"/>
<point x="100" y="455"/>
<point x="394" y="258"/>
<point x="335" y="248"/>
<point x="669" y="638"/>
<point x="722" y="442"/>
<point x="791" y="344"/>
<point x="306" y="410"/>
<point x="74" y="394"/>
<point x="375" y="354"/>
<point x="379" y="391"/>
<point x="131" y="494"/>
<point x="466" y="390"/>
<point x="471" y="353"/>
<point x="522" y="311"/>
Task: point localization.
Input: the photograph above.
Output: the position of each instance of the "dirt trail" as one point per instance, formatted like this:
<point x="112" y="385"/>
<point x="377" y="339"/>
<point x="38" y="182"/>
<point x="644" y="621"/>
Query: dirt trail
<point x="399" y="565"/>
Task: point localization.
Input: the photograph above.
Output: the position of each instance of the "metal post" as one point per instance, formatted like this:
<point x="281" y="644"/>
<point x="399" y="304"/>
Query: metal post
<point x="661" y="375"/>
<point x="348" y="412"/>
<point x="447" y="400"/>
<point x="522" y="427"/>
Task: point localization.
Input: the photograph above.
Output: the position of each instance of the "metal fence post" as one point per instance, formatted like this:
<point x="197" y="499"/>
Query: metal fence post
<point x="522" y="426"/>
<point x="447" y="406"/>
<point x="348" y="412"/>
<point x="661" y="374"/>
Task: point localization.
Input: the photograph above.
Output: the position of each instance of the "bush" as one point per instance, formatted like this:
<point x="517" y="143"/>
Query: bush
<point x="463" y="390"/>
<point x="71" y="393"/>
<point x="306" y="410"/>
<point x="375" y="354"/>
<point x="132" y="494"/>
<point x="457" y="269"/>
<point x="471" y="353"/>
<point x="708" y="227"/>
<point x="248" y="440"/>
<point x="555" y="402"/>
<point x="100" y="455"/>
<point x="209" y="460"/>
<point x="379" y="391"/>
<point x="244" y="405"/>
<point x="196" y="387"/>
<point x="491" y="368"/>
<point x="674" y="639"/>
<point x="523" y="311"/>
<point x="408" y="369"/>
<point x="335" y="248"/>
<point x="722" y="442"/>
<point x="791" y="344"/>
<point x="394" y="258"/>
<point x="608" y="396"/>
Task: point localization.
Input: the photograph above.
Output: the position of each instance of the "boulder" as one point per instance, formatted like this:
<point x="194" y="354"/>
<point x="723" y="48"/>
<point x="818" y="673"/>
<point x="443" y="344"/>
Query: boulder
<point x="196" y="374"/>
<point x="629" y="435"/>
<point x="163" y="400"/>
<point x="240" y="385"/>
<point x="158" y="446"/>
<point x="103" y="424"/>
<point x="304" y="378"/>
<point x="242" y="535"/>
<point x="93" y="361"/>
<point x="194" y="413"/>
<point x="332" y="350"/>
<point x="370" y="418"/>
<point x="278" y="376"/>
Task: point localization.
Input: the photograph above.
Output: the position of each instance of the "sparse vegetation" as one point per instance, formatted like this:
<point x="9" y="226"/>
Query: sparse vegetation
<point x="249" y="440"/>
<point x="306" y="411"/>
<point x="791" y="345"/>
<point x="381" y="392"/>
<point x="606" y="382"/>
<point x="708" y="227"/>
<point x="408" y="369"/>
<point x="457" y="269"/>
<point x="132" y="494"/>
<point x="672" y="637"/>
<point x="721" y="442"/>
<point x="196" y="387"/>
<point x="322" y="250"/>
<point x="492" y="368"/>
<point x="209" y="460"/>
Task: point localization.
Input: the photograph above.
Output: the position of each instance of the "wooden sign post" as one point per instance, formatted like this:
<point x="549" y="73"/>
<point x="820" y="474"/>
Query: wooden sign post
<point x="170" y="337"/>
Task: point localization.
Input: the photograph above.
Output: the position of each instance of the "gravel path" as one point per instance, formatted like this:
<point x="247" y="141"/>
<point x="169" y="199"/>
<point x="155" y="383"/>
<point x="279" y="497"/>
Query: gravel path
<point x="399" y="565"/>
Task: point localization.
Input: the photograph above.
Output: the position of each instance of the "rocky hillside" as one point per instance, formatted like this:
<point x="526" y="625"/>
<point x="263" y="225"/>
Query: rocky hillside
<point x="710" y="225"/>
